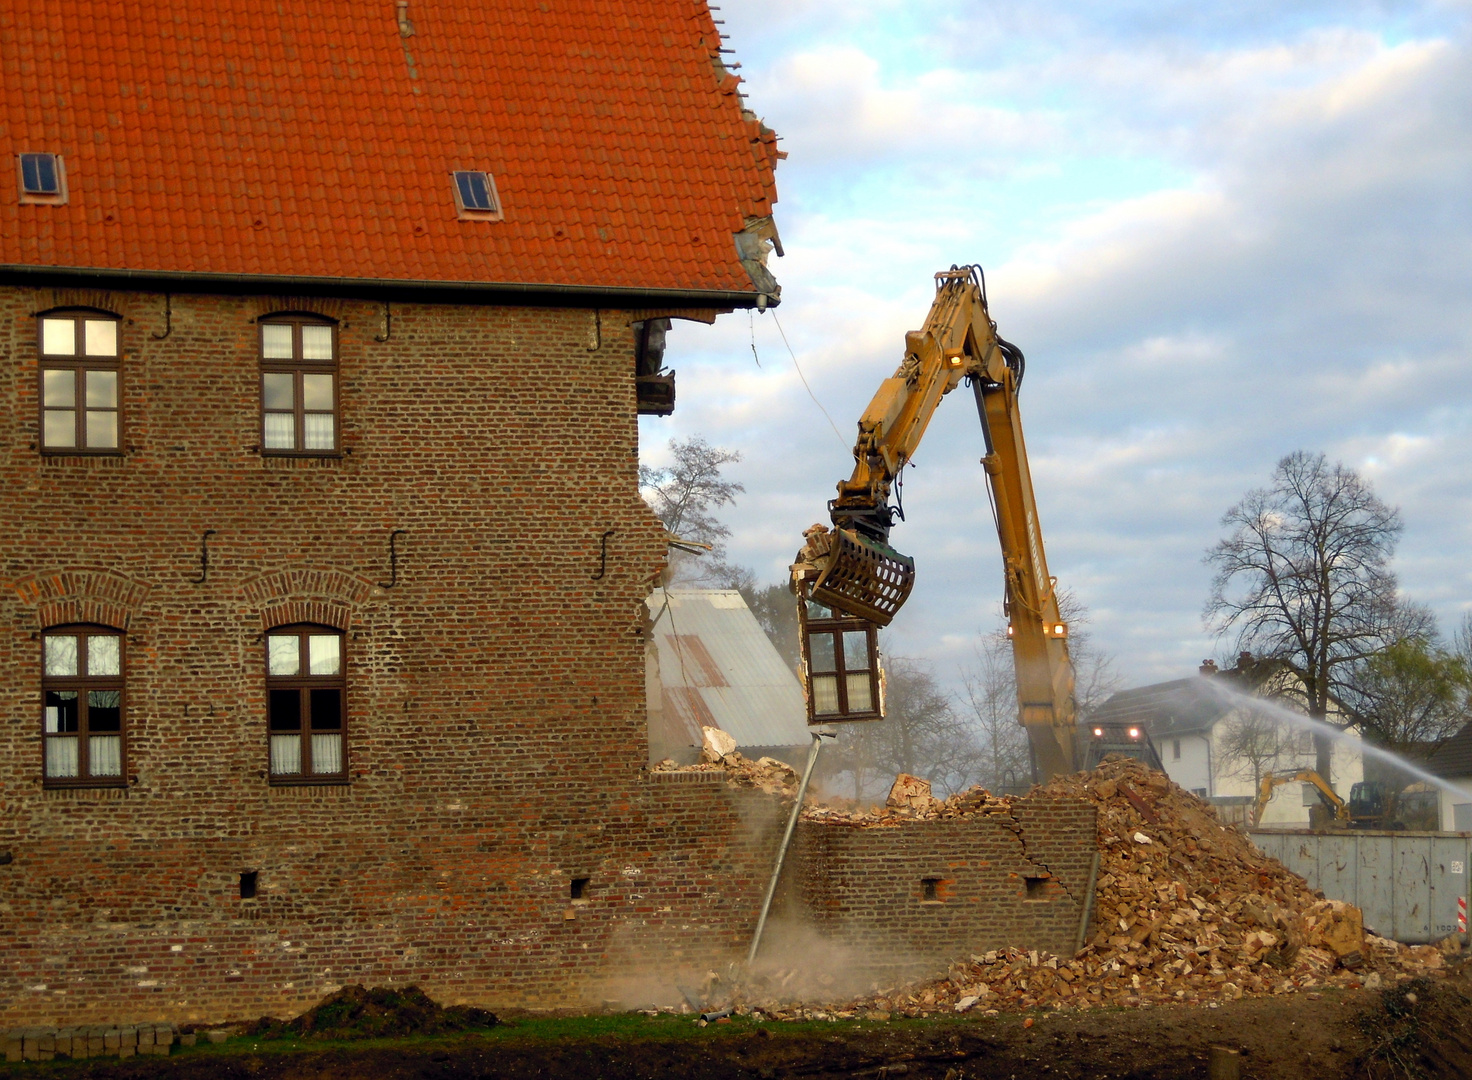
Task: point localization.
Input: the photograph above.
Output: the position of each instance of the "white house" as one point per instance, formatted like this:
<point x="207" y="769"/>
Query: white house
<point x="1452" y="761"/>
<point x="1216" y="745"/>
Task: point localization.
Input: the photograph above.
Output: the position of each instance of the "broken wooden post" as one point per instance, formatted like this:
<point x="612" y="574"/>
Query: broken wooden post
<point x="1223" y="1063"/>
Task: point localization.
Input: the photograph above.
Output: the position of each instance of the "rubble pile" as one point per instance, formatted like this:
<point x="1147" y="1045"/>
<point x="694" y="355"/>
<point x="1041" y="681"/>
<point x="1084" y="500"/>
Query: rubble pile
<point x="1186" y="910"/>
<point x="719" y="755"/>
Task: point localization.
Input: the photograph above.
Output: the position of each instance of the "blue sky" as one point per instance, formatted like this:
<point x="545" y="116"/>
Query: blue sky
<point x="1221" y="233"/>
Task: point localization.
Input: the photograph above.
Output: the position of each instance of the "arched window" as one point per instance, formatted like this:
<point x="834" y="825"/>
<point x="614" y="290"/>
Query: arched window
<point x="82" y="707"/>
<point x="80" y="375"/>
<point x="306" y="692"/>
<point x="298" y="385"/>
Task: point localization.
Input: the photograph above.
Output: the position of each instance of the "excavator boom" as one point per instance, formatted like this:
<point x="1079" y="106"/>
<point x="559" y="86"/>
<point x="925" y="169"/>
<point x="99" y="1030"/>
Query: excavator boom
<point x="852" y="568"/>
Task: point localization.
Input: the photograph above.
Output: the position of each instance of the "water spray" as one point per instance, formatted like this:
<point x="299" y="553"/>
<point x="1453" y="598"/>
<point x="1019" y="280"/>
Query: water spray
<point x="1344" y="738"/>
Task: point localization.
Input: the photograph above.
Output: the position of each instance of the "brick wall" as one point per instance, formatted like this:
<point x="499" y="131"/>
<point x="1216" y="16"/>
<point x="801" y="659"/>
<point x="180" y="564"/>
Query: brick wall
<point x="917" y="895"/>
<point x="496" y="707"/>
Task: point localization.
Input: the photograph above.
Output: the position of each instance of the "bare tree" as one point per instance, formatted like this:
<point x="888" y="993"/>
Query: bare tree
<point x="990" y="683"/>
<point x="921" y="734"/>
<point x="1303" y="577"/>
<point x="1251" y="745"/>
<point x="685" y="495"/>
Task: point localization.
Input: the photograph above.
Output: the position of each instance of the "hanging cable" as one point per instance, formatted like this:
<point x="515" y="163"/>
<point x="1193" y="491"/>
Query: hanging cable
<point x="804" y="379"/>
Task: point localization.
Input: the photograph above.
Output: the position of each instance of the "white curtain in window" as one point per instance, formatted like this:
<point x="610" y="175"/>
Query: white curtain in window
<point x="106" y="754"/>
<point x="280" y="431"/>
<point x="858" y="693"/>
<point x="825" y="694"/>
<point x="286" y="755"/>
<point x="319" y="433"/>
<point x="326" y="753"/>
<point x="61" y="757"/>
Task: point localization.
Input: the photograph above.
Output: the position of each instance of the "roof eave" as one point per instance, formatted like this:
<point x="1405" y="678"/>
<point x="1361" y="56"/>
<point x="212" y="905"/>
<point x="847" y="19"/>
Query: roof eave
<point x="530" y="294"/>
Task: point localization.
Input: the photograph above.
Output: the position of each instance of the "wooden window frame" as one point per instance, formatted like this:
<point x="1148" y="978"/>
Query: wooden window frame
<point x="304" y="684"/>
<point x="79" y="363"/>
<point x="81" y="684"/>
<point x="837" y="623"/>
<point x="297" y="367"/>
<point x="471" y="213"/>
<point x="59" y="197"/>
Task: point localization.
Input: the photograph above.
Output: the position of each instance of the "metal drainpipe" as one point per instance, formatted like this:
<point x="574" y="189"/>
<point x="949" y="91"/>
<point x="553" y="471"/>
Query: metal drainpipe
<point x="802" y="788"/>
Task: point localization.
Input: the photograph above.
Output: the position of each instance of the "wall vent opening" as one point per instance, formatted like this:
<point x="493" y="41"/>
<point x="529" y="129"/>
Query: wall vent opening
<point x="248" y="884"/>
<point x="930" y="889"/>
<point x="1037" y="888"/>
<point x="578" y="891"/>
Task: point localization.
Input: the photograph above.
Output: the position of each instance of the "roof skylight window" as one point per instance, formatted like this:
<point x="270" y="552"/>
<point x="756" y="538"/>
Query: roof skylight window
<point x="42" y="178"/>
<point x="475" y="196"/>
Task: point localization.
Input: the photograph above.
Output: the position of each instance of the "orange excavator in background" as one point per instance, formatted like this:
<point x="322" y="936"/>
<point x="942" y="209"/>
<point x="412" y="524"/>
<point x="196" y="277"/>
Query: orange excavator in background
<point x="849" y="581"/>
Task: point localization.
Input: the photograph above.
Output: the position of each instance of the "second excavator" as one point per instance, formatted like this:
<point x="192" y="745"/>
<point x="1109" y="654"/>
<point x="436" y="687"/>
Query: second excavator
<point x="850" y="581"/>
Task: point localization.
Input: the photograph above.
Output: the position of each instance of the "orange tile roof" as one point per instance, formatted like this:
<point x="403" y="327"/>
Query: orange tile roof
<point x="314" y="140"/>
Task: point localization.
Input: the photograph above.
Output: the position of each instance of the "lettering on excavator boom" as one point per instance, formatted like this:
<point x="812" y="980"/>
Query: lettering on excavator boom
<point x="851" y="571"/>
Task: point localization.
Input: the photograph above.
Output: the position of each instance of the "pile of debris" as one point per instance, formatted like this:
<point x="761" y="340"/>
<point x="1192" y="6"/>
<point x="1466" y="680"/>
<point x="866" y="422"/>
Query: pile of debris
<point x="719" y="755"/>
<point x="1187" y="910"/>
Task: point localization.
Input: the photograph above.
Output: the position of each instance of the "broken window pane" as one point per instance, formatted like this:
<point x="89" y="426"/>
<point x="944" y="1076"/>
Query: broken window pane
<point x="285" y="710"/>
<point x="104" y="710"/>
<point x="283" y="655"/>
<point x="322" y="654"/>
<point x="61" y="711"/>
<point x="101" y="337"/>
<point x="316" y="343"/>
<point x="326" y="705"/>
<point x="855" y="650"/>
<point x="59" y="337"/>
<point x="276" y="341"/>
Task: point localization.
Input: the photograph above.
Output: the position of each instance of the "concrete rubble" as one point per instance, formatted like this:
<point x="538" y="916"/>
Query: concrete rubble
<point x="1187" y="910"/>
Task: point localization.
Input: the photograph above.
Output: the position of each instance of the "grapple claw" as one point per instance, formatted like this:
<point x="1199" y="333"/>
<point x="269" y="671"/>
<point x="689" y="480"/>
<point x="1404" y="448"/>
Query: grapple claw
<point x="865" y="578"/>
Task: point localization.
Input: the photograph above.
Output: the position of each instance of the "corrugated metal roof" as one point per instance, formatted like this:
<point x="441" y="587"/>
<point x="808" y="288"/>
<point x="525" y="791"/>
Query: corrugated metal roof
<point x="708" y="637"/>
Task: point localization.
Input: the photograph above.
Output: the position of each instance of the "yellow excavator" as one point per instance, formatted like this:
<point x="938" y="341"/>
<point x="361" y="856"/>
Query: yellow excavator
<point x="848" y="579"/>
<point x="1373" y="804"/>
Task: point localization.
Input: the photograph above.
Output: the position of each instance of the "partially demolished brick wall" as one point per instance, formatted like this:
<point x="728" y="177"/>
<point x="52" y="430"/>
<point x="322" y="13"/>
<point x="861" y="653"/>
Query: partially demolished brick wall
<point x="919" y="893"/>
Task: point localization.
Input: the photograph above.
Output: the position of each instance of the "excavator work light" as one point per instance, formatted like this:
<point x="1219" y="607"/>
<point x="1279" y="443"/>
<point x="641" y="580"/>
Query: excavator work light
<point x="1134" y="733"/>
<point x="1098" y="733"/>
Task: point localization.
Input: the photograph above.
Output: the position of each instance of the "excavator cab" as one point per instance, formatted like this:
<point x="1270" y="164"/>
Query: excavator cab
<point x="1130" y="740"/>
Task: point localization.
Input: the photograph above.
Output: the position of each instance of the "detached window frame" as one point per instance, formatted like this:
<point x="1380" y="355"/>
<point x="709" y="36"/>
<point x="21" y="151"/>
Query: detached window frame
<point x="80" y="382"/>
<point x="30" y="182"/>
<point x="306" y="695"/>
<point x="840" y="656"/>
<point x="473" y="187"/>
<point x="84" y="741"/>
<point x="300" y="392"/>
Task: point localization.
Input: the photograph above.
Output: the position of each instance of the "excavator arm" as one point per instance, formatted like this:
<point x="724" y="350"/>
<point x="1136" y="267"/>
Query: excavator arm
<point x="1327" y="795"/>
<point x="852" y="567"/>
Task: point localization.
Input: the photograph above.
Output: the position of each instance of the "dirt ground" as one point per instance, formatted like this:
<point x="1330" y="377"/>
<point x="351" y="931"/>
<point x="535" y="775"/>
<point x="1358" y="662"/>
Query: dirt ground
<point x="1419" y="1030"/>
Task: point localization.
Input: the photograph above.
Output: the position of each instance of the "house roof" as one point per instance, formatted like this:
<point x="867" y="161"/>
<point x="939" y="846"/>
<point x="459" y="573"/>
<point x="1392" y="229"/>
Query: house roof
<point x="1453" y="757"/>
<point x="718" y="667"/>
<point x="235" y="140"/>
<point x="1178" y="707"/>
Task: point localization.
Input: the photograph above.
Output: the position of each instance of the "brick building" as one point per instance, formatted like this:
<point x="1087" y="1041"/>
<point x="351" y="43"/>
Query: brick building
<point x="324" y="568"/>
<point x="323" y="336"/>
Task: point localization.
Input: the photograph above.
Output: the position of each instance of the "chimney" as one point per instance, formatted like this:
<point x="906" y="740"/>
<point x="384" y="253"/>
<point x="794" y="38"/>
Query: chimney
<point x="406" y="28"/>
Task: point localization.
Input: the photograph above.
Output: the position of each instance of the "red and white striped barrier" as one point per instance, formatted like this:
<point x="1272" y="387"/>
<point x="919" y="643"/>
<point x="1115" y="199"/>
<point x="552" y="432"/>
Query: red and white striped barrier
<point x="1461" y="914"/>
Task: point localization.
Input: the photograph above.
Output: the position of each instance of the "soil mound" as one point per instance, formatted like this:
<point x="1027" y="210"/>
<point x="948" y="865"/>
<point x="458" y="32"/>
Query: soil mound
<point x="1421" y="1029"/>
<point x="355" y="1012"/>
